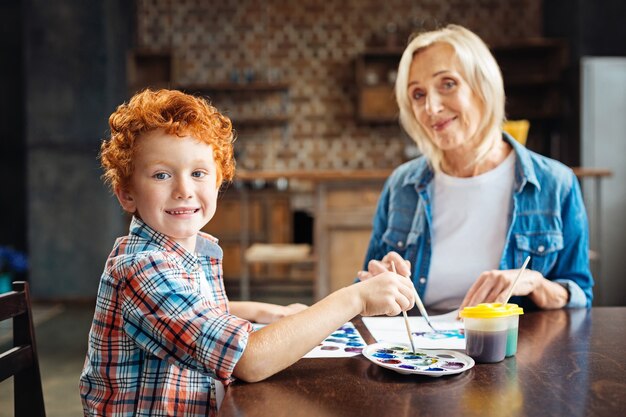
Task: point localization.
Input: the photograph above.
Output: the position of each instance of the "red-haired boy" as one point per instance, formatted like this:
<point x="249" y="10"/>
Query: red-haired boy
<point x="164" y="336"/>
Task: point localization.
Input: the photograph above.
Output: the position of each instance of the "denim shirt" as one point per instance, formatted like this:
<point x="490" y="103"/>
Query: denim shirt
<point x="547" y="221"/>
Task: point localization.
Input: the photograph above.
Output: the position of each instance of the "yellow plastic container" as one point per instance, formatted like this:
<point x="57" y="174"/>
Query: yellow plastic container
<point x="491" y="331"/>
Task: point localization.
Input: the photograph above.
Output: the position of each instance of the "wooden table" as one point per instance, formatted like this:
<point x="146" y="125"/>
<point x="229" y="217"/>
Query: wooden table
<point x="569" y="363"/>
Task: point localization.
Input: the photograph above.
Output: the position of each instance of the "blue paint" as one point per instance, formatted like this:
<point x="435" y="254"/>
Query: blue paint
<point x="410" y="357"/>
<point x="383" y="355"/>
<point x="442" y="334"/>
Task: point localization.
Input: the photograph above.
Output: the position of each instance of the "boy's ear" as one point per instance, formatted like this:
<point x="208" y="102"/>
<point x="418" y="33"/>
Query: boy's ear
<point x="126" y="199"/>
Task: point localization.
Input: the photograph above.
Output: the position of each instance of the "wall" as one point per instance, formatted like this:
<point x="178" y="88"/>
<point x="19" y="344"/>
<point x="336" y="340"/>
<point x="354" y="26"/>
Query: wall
<point x="592" y="28"/>
<point x="75" y="75"/>
<point x="312" y="46"/>
<point x="12" y="144"/>
<point x="604" y="145"/>
<point x="74" y="70"/>
<point x="596" y="29"/>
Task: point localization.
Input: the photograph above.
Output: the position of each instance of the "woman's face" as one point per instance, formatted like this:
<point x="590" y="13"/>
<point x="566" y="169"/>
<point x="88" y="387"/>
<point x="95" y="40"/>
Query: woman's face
<point x="443" y="102"/>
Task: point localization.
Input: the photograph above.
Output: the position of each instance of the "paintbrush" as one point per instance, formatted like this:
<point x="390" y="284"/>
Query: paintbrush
<point x="422" y="309"/>
<point x="519" y="274"/>
<point x="406" y="318"/>
<point x="420" y="305"/>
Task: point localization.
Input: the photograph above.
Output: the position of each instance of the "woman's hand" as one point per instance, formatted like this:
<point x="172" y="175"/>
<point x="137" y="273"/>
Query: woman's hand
<point x="374" y="267"/>
<point x="493" y="286"/>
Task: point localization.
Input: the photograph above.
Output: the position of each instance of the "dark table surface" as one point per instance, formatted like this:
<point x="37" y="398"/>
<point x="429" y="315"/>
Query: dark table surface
<point x="568" y="363"/>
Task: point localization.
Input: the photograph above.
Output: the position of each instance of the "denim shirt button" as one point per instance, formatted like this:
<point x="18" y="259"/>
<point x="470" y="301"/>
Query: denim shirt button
<point x="400" y="243"/>
<point x="541" y="248"/>
<point x="422" y="280"/>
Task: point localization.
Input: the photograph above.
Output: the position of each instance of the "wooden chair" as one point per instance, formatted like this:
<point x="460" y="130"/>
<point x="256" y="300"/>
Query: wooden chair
<point x="20" y="360"/>
<point x="287" y="254"/>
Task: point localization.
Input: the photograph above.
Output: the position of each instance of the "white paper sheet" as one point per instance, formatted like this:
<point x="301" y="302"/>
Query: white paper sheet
<point x="393" y="330"/>
<point x="344" y="342"/>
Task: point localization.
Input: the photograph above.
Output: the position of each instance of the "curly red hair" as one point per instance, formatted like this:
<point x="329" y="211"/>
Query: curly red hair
<point x="174" y="112"/>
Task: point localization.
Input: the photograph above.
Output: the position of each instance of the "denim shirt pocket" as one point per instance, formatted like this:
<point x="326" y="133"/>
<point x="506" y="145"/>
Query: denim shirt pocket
<point x="543" y="248"/>
<point x="396" y="240"/>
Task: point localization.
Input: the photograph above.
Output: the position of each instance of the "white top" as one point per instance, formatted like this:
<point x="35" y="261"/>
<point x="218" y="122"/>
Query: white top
<point x="470" y="223"/>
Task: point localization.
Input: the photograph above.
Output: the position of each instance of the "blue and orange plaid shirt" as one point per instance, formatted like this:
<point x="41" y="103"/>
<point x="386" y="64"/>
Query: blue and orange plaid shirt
<point x="160" y="334"/>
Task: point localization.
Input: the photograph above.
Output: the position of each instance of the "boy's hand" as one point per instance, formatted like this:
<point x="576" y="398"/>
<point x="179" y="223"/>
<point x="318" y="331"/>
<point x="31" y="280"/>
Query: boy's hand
<point x="385" y="294"/>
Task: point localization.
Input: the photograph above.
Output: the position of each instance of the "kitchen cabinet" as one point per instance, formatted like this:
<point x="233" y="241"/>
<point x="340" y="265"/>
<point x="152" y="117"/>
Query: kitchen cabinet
<point x="343" y="225"/>
<point x="244" y="217"/>
<point x="376" y="71"/>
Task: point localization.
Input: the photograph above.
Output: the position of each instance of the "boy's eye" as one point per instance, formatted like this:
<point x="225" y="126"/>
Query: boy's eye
<point x="161" y="176"/>
<point x="198" y="174"/>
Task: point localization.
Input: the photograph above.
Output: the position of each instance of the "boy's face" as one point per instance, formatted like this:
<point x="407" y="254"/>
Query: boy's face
<point x="173" y="187"/>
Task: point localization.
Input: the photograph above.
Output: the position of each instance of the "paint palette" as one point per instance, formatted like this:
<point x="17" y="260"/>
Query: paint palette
<point x="400" y="358"/>
<point x="346" y="341"/>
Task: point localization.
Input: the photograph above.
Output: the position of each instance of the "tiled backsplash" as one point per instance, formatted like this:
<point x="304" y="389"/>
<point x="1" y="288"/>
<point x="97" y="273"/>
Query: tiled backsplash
<point x="311" y="46"/>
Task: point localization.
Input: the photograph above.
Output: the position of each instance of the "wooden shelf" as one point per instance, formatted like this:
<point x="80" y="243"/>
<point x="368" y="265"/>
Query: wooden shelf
<point x="235" y="87"/>
<point x="530" y="80"/>
<point x="236" y="92"/>
<point x="338" y="175"/>
<point x="260" y="121"/>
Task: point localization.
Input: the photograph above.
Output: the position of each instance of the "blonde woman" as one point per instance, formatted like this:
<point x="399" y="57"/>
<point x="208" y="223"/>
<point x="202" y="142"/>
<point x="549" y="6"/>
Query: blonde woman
<point x="461" y="218"/>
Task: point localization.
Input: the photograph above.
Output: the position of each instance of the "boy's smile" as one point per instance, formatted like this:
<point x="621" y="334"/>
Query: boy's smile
<point x="174" y="185"/>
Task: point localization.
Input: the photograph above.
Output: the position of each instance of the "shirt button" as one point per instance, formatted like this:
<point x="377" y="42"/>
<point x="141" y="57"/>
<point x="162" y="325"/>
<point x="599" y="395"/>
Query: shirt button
<point x="400" y="243"/>
<point x="422" y="280"/>
<point x="541" y="248"/>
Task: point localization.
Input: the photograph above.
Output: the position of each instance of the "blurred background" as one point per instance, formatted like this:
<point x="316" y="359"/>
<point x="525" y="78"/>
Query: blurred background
<point x="308" y="85"/>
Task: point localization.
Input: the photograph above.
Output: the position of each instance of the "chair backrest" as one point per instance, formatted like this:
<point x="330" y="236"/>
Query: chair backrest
<point x="20" y="360"/>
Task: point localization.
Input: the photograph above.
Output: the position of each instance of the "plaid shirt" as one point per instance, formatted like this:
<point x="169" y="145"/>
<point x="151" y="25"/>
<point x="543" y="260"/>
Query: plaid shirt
<point x="159" y="336"/>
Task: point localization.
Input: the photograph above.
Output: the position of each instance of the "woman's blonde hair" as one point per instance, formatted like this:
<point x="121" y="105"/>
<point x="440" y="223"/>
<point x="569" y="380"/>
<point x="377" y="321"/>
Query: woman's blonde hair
<point x="482" y="74"/>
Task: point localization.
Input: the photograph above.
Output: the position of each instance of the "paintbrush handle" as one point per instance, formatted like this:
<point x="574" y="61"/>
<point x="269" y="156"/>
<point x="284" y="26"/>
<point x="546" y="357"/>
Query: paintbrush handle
<point x="422" y="309"/>
<point x="418" y="302"/>
<point x="408" y="330"/>
<point x="519" y="274"/>
<point x="406" y="318"/>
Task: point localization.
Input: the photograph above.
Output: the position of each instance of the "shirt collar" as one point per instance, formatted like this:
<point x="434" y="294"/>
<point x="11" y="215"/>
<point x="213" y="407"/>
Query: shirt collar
<point x="139" y="228"/>
<point x="421" y="176"/>
<point x="524" y="168"/>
